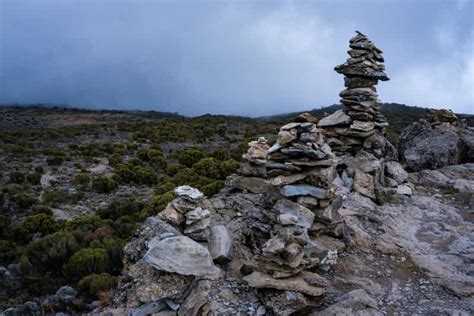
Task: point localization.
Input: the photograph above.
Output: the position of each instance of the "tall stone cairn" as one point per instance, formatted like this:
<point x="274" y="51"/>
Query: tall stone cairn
<point x="361" y="117"/>
<point x="295" y="177"/>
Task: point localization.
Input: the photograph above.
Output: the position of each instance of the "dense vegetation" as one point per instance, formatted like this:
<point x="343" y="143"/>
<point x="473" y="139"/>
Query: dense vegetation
<point x="68" y="194"/>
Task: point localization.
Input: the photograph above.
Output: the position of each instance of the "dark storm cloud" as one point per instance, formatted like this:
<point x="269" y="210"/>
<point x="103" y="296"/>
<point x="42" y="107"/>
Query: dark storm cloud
<point x="229" y="57"/>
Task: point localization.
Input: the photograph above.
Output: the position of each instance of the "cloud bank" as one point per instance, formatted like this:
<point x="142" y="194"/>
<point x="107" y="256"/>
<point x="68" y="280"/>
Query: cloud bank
<point x="229" y="57"/>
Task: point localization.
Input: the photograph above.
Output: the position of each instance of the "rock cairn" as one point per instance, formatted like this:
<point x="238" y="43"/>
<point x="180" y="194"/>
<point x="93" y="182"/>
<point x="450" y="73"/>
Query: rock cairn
<point x="296" y="177"/>
<point x="180" y="249"/>
<point x="361" y="118"/>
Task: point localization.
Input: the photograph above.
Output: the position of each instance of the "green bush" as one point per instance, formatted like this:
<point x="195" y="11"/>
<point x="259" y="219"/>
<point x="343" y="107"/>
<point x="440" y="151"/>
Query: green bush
<point x="212" y="188"/>
<point x="122" y="207"/>
<point x="148" y="153"/>
<point x="17" y="177"/>
<point x="84" y="223"/>
<point x="34" y="178"/>
<point x="23" y="200"/>
<point x="41" y="209"/>
<point x="207" y="167"/>
<point x="159" y="202"/>
<point x="165" y="187"/>
<point x="39" y="169"/>
<point x="8" y="251"/>
<point x="82" y="179"/>
<point x="94" y="284"/>
<point x="57" y="197"/>
<point x="190" y="156"/>
<point x="55" y="160"/>
<point x="87" y="261"/>
<point x="40" y="223"/>
<point x="103" y="184"/>
<point x="115" y="160"/>
<point x="173" y="169"/>
<point x="5" y="223"/>
<point x="52" y="251"/>
<point x="228" y="167"/>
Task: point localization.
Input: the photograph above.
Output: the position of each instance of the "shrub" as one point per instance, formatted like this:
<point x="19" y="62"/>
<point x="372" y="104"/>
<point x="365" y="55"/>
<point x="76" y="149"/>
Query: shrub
<point x="103" y="184"/>
<point x="207" y="167"/>
<point x="173" y="169"/>
<point x="23" y="200"/>
<point x="57" y="197"/>
<point x="5" y="223"/>
<point x="40" y="223"/>
<point x="115" y="160"/>
<point x="186" y="176"/>
<point x="122" y="207"/>
<point x="39" y="169"/>
<point x="87" y="261"/>
<point x="17" y="177"/>
<point x="93" y="284"/>
<point x="7" y="251"/>
<point x="52" y="251"/>
<point x="55" y="160"/>
<point x="34" y="178"/>
<point x="84" y="223"/>
<point x="228" y="167"/>
<point x="41" y="209"/>
<point x="147" y="154"/>
<point x="82" y="179"/>
<point x="165" y="187"/>
<point x="145" y="175"/>
<point x="212" y="188"/>
<point x="114" y="249"/>
<point x="159" y="202"/>
<point x="190" y="156"/>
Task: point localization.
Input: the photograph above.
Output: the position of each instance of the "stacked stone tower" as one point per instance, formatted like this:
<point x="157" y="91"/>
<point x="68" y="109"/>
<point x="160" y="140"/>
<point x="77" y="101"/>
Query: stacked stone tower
<point x="361" y="117"/>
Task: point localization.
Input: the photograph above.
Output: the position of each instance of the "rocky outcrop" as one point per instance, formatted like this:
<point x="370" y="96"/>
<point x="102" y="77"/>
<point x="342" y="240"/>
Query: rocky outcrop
<point x="322" y="222"/>
<point x="443" y="142"/>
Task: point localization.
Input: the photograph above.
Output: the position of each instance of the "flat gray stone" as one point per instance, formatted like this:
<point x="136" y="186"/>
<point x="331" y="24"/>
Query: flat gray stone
<point x="337" y="118"/>
<point x="303" y="189"/>
<point x="181" y="255"/>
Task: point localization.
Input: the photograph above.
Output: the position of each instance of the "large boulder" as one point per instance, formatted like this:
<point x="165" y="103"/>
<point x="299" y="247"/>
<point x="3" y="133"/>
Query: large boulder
<point x="181" y="255"/>
<point x="424" y="147"/>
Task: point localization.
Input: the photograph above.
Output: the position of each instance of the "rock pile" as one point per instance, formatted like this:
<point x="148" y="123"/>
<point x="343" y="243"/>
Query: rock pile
<point x="441" y="141"/>
<point x="296" y="179"/>
<point x="361" y="119"/>
<point x="185" y="255"/>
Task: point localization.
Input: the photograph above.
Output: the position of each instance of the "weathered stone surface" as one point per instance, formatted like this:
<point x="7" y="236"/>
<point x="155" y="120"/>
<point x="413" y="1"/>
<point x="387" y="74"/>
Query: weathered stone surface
<point x="362" y="126"/>
<point x="171" y="215"/>
<point x="287" y="210"/>
<point x="394" y="170"/>
<point x="257" y="150"/>
<point x="304" y="189"/>
<point x="424" y="147"/>
<point x="284" y="180"/>
<point x="220" y="244"/>
<point x="430" y="149"/>
<point x="335" y="119"/>
<point x="261" y="281"/>
<point x="364" y="184"/>
<point x="188" y="192"/>
<point x="181" y="255"/>
<point x="305" y="117"/>
<point x="196" y="215"/>
<point x="252" y="184"/>
<point x="285" y="137"/>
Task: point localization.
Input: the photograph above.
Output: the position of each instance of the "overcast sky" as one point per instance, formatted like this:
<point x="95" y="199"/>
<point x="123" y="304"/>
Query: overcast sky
<point x="230" y="57"/>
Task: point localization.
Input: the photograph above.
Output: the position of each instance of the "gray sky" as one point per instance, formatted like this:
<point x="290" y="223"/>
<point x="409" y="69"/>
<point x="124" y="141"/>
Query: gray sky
<point x="230" y="57"/>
